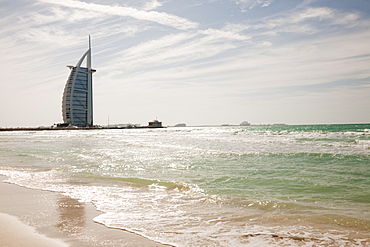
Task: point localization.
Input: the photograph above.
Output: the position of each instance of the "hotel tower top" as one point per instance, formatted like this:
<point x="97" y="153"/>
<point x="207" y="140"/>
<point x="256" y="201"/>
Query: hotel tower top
<point x="77" y="103"/>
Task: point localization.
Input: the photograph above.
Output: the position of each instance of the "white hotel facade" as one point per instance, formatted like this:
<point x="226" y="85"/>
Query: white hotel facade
<point x="77" y="103"/>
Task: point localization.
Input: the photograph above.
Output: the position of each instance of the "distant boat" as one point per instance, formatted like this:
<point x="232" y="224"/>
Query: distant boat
<point x="155" y="124"/>
<point x="245" y="123"/>
<point x="180" y="125"/>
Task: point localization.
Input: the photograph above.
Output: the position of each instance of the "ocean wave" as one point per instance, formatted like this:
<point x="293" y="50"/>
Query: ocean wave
<point x="170" y="214"/>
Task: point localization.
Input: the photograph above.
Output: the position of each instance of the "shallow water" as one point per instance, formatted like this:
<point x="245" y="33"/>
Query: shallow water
<point x="209" y="186"/>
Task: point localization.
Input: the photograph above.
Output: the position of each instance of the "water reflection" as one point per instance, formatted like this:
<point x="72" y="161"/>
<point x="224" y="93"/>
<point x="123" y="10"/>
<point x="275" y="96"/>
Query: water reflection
<point x="72" y="217"/>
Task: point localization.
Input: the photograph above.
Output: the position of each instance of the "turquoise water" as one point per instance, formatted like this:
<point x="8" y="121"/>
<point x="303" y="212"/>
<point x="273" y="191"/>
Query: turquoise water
<point x="209" y="186"/>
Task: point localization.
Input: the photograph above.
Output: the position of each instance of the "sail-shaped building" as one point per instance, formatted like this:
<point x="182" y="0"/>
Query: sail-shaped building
<point x="77" y="103"/>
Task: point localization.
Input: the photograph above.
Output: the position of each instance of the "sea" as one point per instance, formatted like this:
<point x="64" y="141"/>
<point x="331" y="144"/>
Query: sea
<point x="277" y="185"/>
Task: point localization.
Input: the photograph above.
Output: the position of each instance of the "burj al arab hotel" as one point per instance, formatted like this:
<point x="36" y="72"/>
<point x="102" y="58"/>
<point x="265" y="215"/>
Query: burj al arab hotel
<point x="77" y="103"/>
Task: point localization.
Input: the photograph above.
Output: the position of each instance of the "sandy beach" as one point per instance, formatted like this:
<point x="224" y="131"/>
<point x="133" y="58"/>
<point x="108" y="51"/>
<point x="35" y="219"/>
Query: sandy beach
<point x="41" y="218"/>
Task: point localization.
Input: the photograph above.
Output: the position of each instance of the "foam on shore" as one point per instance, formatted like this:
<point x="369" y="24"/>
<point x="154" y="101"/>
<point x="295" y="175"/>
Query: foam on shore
<point x="41" y="218"/>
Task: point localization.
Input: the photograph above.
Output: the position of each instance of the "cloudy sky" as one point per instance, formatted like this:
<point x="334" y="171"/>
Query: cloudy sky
<point x="189" y="61"/>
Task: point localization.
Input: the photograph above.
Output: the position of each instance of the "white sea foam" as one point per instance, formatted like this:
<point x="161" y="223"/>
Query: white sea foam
<point x="170" y="216"/>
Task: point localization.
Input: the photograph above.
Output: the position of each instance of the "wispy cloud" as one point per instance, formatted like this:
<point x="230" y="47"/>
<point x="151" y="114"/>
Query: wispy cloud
<point x="152" y="4"/>
<point x="56" y="14"/>
<point x="154" y="16"/>
<point x="250" y="4"/>
<point x="254" y="67"/>
<point x="177" y="49"/>
<point x="322" y="14"/>
<point x="217" y="34"/>
<point x="146" y="5"/>
<point x="307" y="20"/>
<point x="48" y="34"/>
<point x="64" y="27"/>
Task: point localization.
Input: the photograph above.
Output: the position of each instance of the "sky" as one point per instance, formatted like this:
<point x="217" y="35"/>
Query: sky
<point x="197" y="62"/>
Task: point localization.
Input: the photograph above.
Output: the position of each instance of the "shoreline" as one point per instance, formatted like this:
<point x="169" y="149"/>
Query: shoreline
<point x="38" y="218"/>
<point x="51" y="128"/>
<point x="74" y="128"/>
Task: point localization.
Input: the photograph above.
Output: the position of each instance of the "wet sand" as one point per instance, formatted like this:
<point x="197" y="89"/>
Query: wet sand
<point x="41" y="218"/>
<point x="14" y="233"/>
